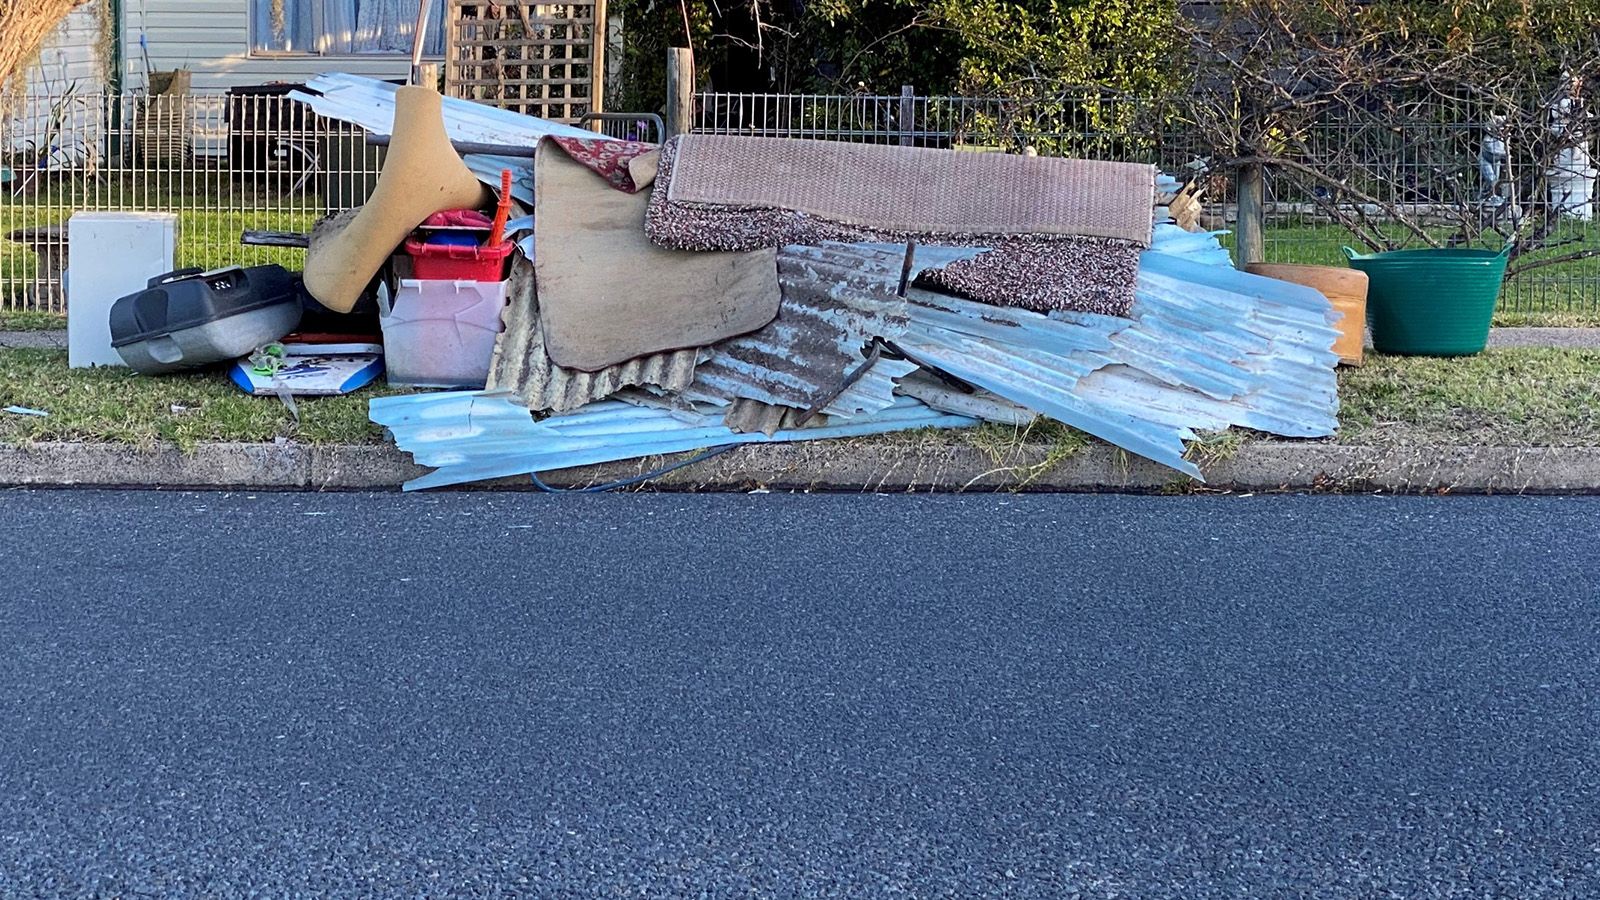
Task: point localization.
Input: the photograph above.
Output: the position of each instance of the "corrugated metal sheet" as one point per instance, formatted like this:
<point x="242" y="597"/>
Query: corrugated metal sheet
<point x="369" y="103"/>
<point x="1200" y="247"/>
<point x="1042" y="375"/>
<point x="754" y="416"/>
<point x="1264" y="345"/>
<point x="1207" y="348"/>
<point x="744" y="416"/>
<point x="831" y="308"/>
<point x="521" y="365"/>
<point x="475" y="436"/>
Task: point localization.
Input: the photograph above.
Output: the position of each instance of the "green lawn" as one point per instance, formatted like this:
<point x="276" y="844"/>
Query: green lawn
<point x="28" y="320"/>
<point x="205" y="238"/>
<point x="209" y="225"/>
<point x="1521" y="397"/>
<point x="117" y="406"/>
<point x="1514" y="398"/>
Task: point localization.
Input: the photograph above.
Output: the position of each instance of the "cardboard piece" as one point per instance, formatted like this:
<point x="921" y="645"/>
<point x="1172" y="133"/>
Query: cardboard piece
<point x="311" y="375"/>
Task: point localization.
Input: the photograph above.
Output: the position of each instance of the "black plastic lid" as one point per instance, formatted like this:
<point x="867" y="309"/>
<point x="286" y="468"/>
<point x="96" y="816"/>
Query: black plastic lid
<point x="189" y="299"/>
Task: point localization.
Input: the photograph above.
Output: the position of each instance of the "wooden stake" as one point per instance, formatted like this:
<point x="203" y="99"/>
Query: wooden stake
<point x="597" y="63"/>
<point x="1252" y="214"/>
<point x="680" y="91"/>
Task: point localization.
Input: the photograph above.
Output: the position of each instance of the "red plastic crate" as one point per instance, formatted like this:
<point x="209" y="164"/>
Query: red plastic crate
<point x="442" y="262"/>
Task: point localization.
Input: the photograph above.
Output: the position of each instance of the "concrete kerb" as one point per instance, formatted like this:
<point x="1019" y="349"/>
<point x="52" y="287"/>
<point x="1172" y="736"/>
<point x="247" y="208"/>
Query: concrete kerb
<point x="840" y="466"/>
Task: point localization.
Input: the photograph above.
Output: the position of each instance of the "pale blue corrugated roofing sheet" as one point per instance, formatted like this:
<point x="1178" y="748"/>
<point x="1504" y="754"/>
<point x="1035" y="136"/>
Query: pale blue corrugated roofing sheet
<point x="476" y="436"/>
<point x="1205" y="348"/>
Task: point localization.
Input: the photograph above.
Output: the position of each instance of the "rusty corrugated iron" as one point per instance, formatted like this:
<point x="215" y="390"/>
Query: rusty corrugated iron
<point x="521" y="365"/>
<point x="831" y="309"/>
<point x="755" y="417"/>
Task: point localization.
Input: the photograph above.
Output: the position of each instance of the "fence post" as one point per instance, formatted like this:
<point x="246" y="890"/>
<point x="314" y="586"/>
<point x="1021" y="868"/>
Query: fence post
<point x="1252" y="215"/>
<point x="908" y="113"/>
<point x="597" y="61"/>
<point x="680" y="91"/>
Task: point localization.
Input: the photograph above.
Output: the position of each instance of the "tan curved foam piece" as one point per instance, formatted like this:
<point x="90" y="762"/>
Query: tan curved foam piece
<point x="422" y="175"/>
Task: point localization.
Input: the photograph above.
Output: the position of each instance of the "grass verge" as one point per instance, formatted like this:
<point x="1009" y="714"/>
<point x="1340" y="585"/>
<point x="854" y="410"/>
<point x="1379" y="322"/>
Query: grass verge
<point x="1512" y="397"/>
<point x="1005" y="446"/>
<point x="116" y="406"/>
<point x="1525" y="397"/>
<point x="27" y="320"/>
<point x="1524" y="319"/>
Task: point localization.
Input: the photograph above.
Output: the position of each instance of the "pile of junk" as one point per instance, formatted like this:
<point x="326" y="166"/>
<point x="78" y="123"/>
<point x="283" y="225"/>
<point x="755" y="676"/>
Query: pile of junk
<point x="586" y="300"/>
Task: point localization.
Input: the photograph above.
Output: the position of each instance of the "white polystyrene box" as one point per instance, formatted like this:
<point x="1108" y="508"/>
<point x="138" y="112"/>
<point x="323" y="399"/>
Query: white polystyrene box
<point x="109" y="256"/>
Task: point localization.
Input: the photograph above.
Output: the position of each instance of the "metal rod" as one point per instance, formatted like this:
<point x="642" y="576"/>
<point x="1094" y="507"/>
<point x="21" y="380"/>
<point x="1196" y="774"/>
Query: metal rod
<point x="465" y="147"/>
<point x="419" y="40"/>
<point x="275" y="239"/>
<point x="905" y="267"/>
<point x="849" y="381"/>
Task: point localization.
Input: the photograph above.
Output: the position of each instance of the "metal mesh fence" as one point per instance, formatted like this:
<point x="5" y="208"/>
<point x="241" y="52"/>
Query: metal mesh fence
<point x="227" y="163"/>
<point x="223" y="163"/>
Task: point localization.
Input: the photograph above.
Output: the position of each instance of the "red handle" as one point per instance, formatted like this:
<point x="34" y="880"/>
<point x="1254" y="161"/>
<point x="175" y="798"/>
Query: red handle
<point x="503" y="211"/>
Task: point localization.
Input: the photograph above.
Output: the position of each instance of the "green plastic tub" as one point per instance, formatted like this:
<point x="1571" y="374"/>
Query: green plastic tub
<point x="1431" y="302"/>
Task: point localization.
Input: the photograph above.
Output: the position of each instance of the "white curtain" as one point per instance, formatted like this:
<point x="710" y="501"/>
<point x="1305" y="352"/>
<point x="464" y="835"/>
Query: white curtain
<point x="338" y="25"/>
<point x="341" y="27"/>
<point x="284" y="29"/>
<point x="384" y="26"/>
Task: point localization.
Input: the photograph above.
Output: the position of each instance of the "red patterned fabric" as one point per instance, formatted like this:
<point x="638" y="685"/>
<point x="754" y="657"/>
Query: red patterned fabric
<point x="607" y="158"/>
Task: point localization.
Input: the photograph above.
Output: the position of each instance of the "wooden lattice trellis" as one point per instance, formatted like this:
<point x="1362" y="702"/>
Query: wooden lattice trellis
<point x="543" y="59"/>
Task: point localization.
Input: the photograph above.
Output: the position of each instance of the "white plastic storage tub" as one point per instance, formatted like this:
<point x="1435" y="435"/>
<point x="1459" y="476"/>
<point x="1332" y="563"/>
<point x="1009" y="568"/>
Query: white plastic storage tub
<point x="441" y="333"/>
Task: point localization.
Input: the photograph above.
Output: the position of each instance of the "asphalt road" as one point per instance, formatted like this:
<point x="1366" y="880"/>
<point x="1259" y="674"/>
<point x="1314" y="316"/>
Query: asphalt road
<point x="721" y="696"/>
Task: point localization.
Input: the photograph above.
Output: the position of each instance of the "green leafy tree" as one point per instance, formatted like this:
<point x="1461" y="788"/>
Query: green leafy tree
<point x="938" y="46"/>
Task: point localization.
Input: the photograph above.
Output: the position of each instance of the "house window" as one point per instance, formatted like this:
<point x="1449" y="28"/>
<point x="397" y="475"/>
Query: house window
<point x="341" y="27"/>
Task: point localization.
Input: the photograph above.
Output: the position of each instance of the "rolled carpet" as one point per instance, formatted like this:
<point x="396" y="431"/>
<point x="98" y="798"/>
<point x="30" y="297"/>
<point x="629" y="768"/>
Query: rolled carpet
<point x="1064" y="234"/>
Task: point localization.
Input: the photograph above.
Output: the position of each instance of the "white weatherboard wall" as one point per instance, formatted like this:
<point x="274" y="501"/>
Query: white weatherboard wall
<point x="71" y="56"/>
<point x="211" y="38"/>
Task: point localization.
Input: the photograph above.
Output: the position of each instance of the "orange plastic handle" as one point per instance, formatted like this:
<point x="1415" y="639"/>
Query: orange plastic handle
<point x="503" y="211"/>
